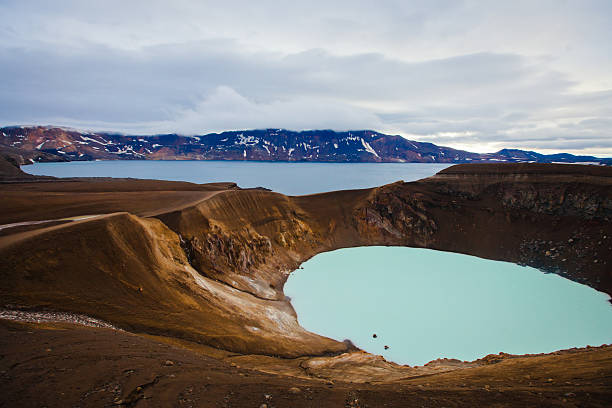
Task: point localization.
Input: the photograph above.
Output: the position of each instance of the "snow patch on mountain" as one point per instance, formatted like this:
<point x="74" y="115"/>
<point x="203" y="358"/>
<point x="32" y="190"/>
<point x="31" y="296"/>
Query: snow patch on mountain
<point x="369" y="148"/>
<point x="246" y="140"/>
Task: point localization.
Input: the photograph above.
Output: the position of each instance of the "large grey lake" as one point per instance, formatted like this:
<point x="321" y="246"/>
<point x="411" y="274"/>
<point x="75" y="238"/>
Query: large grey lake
<point x="423" y="304"/>
<point x="286" y="178"/>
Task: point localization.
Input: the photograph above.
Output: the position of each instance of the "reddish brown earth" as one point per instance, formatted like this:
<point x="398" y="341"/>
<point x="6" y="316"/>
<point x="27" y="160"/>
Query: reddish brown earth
<point x="194" y="274"/>
<point x="66" y="365"/>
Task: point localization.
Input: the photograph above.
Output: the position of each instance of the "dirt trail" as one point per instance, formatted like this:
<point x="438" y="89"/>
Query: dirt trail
<point x="25" y="223"/>
<point x="171" y="208"/>
<point x="40" y="201"/>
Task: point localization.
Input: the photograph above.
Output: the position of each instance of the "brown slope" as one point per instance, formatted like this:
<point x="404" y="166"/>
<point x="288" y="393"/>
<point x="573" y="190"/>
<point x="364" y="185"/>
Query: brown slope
<point x="132" y="272"/>
<point x="20" y="156"/>
<point x="10" y="171"/>
<point x="253" y="239"/>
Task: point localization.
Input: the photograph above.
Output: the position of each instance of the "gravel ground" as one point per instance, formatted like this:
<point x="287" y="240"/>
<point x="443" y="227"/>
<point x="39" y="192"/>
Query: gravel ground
<point x="53" y="317"/>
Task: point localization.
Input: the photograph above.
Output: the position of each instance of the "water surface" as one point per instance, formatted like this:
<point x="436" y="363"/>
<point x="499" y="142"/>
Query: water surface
<point x="286" y="178"/>
<point x="427" y="304"/>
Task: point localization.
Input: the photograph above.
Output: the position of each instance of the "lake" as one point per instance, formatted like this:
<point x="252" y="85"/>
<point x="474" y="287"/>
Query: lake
<point x="286" y="178"/>
<point x="427" y="304"/>
<point x="423" y="304"/>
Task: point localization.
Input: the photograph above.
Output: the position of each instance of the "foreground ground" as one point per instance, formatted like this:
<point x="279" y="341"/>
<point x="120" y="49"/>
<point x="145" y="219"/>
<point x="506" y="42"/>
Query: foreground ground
<point x="65" y="365"/>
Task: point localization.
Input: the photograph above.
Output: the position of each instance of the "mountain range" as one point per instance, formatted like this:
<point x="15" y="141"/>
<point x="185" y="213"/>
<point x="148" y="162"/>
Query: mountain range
<point x="25" y="144"/>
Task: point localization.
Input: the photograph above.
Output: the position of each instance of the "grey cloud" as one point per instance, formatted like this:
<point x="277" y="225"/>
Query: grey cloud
<point x="160" y="77"/>
<point x="444" y="71"/>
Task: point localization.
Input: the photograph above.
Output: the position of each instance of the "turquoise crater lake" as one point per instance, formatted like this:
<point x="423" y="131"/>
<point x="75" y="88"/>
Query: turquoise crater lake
<point x="427" y="304"/>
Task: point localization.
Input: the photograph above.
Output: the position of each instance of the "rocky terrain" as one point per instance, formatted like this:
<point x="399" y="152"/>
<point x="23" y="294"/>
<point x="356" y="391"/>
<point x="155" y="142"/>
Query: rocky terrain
<point x="39" y="143"/>
<point x="192" y="276"/>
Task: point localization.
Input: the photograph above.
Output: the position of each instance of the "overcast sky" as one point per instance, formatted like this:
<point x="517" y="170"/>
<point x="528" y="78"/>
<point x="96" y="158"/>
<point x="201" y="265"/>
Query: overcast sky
<point x="478" y="75"/>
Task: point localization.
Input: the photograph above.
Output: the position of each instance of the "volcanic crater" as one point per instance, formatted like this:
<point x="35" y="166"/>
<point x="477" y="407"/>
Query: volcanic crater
<point x="190" y="279"/>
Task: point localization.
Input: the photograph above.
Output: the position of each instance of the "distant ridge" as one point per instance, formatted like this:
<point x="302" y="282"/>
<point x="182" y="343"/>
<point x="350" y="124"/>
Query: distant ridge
<point x="26" y="144"/>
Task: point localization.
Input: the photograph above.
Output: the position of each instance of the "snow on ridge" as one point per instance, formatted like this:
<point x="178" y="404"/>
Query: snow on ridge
<point x="580" y="162"/>
<point x="104" y="142"/>
<point x="350" y="137"/>
<point x="247" y="141"/>
<point x="369" y="148"/>
<point x="126" y="150"/>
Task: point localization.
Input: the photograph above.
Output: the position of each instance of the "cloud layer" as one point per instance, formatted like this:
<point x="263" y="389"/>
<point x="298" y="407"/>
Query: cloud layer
<point x="465" y="74"/>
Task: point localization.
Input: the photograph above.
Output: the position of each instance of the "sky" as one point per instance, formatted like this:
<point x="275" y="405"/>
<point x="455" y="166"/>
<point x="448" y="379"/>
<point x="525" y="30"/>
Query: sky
<point x="474" y="75"/>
